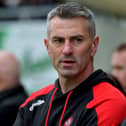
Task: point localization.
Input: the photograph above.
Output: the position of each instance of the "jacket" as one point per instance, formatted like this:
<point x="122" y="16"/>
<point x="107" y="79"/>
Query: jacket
<point x="95" y="102"/>
<point x="10" y="100"/>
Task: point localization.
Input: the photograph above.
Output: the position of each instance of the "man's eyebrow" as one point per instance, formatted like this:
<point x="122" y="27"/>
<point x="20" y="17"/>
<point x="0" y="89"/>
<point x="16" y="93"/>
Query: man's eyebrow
<point x="117" y="66"/>
<point x="75" y="36"/>
<point x="81" y="35"/>
<point x="57" y="37"/>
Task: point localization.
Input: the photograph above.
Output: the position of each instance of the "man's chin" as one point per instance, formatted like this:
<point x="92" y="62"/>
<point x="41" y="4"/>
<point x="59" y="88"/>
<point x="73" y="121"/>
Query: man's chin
<point x="68" y="74"/>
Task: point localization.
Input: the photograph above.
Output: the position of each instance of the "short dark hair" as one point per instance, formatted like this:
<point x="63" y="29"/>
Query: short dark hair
<point x="72" y="10"/>
<point x="121" y="47"/>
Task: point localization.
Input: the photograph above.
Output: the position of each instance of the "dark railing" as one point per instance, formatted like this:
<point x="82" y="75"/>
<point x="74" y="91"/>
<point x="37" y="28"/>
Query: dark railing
<point x="25" y="12"/>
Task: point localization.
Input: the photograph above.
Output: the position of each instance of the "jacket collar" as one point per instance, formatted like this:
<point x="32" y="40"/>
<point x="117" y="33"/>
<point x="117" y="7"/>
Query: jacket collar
<point x="92" y="80"/>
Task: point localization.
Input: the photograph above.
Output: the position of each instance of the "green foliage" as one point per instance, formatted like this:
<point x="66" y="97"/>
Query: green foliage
<point x="29" y="66"/>
<point x="2" y="36"/>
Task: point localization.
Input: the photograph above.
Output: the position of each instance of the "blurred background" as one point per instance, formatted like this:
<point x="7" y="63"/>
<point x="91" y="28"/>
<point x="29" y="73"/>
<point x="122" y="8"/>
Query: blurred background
<point x="23" y="29"/>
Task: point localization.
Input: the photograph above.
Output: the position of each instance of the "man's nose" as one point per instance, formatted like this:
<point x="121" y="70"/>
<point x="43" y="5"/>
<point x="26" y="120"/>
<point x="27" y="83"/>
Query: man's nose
<point x="67" y="49"/>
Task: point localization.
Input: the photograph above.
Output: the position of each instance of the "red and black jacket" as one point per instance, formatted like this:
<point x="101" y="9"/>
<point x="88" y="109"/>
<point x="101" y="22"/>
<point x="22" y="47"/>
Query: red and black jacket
<point x="95" y="102"/>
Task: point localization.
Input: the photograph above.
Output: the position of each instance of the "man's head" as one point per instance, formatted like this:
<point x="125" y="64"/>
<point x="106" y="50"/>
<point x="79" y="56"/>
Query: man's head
<point x="9" y="70"/>
<point x="70" y="11"/>
<point x="119" y="64"/>
<point x="71" y="42"/>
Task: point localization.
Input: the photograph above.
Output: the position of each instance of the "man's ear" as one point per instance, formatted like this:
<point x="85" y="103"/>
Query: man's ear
<point x="46" y="43"/>
<point x="95" y="44"/>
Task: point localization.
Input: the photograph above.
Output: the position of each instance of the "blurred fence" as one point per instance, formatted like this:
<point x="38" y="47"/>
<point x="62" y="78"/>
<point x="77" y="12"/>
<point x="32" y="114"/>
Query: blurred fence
<point x="25" y="12"/>
<point x="22" y="30"/>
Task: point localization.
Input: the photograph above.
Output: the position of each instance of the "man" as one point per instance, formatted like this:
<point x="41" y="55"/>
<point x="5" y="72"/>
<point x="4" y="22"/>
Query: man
<point x="81" y="96"/>
<point x="119" y="64"/>
<point x="119" y="67"/>
<point x="12" y="94"/>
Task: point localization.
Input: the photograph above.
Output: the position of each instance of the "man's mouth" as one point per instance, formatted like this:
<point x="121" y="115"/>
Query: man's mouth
<point x="67" y="62"/>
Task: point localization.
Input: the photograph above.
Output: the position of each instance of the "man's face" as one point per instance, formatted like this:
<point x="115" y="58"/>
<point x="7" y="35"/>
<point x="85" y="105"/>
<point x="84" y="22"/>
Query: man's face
<point x="119" y="67"/>
<point x="69" y="46"/>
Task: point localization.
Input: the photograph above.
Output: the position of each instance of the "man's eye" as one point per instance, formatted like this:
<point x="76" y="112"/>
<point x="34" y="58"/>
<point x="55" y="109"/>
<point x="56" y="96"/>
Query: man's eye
<point x="79" y="39"/>
<point x="58" y="40"/>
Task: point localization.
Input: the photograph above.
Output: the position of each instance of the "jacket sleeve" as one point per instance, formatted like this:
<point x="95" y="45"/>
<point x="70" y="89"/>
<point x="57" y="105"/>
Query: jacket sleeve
<point x="19" y="119"/>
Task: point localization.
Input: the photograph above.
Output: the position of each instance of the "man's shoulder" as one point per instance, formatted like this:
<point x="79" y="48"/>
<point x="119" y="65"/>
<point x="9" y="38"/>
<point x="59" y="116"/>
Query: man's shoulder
<point x="107" y="91"/>
<point x="109" y="100"/>
<point x="104" y="92"/>
<point x="43" y="91"/>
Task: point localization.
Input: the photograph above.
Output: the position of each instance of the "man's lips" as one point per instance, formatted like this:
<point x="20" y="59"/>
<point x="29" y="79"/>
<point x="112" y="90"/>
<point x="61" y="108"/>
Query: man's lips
<point x="67" y="62"/>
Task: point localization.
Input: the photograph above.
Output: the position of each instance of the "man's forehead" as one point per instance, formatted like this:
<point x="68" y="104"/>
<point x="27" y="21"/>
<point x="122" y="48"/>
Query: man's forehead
<point x="120" y="53"/>
<point x="119" y="58"/>
<point x="58" y="21"/>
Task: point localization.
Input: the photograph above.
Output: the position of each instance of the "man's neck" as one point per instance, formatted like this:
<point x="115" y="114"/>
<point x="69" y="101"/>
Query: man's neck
<point x="69" y="83"/>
